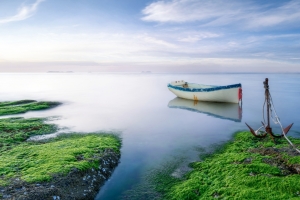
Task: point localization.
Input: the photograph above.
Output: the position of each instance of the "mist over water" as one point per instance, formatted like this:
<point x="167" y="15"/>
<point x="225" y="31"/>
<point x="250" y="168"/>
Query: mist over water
<point x="153" y="125"/>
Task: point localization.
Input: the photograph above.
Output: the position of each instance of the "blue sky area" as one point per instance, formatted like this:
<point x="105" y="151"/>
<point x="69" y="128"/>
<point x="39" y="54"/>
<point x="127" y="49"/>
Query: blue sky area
<point x="162" y="36"/>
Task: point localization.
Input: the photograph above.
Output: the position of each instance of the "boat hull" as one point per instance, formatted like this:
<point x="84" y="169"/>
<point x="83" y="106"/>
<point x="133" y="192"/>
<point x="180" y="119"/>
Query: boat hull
<point x="230" y="93"/>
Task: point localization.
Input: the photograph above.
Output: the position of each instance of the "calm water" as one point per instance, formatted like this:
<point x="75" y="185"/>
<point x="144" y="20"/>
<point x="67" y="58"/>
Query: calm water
<point x="153" y="124"/>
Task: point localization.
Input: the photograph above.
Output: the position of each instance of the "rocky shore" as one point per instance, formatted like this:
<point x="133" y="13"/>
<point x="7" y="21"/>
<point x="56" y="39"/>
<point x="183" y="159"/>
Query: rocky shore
<point x="244" y="168"/>
<point x="68" y="167"/>
<point x="76" y="185"/>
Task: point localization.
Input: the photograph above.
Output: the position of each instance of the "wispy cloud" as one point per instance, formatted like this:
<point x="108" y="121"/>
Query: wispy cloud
<point x="156" y="41"/>
<point x="24" y="12"/>
<point x="285" y="14"/>
<point x="223" y="12"/>
<point x="191" y="10"/>
<point x="195" y="37"/>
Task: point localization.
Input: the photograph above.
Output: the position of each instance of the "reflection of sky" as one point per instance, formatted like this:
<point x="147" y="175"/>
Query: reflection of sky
<point x="214" y="35"/>
<point x="137" y="106"/>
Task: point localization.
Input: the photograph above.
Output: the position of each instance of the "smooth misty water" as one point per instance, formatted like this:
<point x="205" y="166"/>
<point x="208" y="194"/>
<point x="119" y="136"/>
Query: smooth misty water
<point x="136" y="105"/>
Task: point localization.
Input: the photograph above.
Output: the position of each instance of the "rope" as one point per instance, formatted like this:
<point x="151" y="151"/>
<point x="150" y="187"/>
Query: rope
<point x="264" y="110"/>
<point x="259" y="131"/>
<point x="278" y="122"/>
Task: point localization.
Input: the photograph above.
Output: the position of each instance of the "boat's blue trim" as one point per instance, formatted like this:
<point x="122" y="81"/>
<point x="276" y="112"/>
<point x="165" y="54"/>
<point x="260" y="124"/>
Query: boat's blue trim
<point x="204" y="89"/>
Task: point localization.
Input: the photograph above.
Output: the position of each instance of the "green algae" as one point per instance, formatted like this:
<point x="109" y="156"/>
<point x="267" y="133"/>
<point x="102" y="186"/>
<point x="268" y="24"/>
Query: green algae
<point x="245" y="168"/>
<point x="157" y="180"/>
<point x="12" y="103"/>
<point x="23" y="106"/>
<point x="36" y="161"/>
<point x="39" y="161"/>
<point x="14" y="131"/>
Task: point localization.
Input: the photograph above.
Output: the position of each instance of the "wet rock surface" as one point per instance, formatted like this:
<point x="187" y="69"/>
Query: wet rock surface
<point x="278" y="160"/>
<point x="76" y="185"/>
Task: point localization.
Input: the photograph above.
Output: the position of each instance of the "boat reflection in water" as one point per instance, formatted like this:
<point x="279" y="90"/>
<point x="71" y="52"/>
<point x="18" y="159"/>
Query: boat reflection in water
<point x="229" y="111"/>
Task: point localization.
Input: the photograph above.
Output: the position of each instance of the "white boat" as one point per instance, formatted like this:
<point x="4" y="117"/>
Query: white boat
<point x="228" y="111"/>
<point x="199" y="92"/>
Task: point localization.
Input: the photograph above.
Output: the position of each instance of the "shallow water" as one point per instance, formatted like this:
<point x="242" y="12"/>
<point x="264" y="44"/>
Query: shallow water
<point x="154" y="125"/>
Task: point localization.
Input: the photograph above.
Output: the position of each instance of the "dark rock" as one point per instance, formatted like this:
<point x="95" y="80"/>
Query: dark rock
<point x="76" y="185"/>
<point x="278" y="160"/>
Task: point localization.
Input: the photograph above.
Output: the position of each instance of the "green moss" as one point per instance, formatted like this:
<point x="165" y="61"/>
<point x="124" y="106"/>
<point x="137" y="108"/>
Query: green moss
<point x="240" y="171"/>
<point x="36" y="161"/>
<point x="16" y="130"/>
<point x="17" y="107"/>
<point x="162" y="178"/>
<point x="39" y="161"/>
<point x="155" y="181"/>
<point x="11" y="103"/>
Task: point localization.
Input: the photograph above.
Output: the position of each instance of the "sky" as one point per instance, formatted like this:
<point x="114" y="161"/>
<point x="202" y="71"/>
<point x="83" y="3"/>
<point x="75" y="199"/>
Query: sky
<point x="158" y="36"/>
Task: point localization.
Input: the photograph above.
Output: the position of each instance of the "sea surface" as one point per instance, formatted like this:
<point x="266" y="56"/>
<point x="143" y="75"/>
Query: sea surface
<point x="156" y="127"/>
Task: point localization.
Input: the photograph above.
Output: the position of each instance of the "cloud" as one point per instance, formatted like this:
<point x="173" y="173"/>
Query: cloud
<point x="191" y="10"/>
<point x="24" y="12"/>
<point x="223" y="12"/>
<point x="156" y="42"/>
<point x="286" y="14"/>
<point x="195" y="37"/>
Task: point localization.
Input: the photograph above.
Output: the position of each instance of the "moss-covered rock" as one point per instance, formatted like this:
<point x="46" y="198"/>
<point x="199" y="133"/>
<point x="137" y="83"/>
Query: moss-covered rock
<point x="17" y="107"/>
<point x="71" y="166"/>
<point x="14" y="131"/>
<point x="245" y="168"/>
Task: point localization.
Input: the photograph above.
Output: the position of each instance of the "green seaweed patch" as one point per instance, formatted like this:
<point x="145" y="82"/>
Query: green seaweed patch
<point x="39" y="161"/>
<point x="158" y="180"/>
<point x="13" y="103"/>
<point x="13" y="131"/>
<point x="245" y="168"/>
<point x="162" y="177"/>
<point x="23" y="106"/>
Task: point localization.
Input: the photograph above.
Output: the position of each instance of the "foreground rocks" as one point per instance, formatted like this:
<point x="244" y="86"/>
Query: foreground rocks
<point x="76" y="185"/>
<point x="277" y="158"/>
